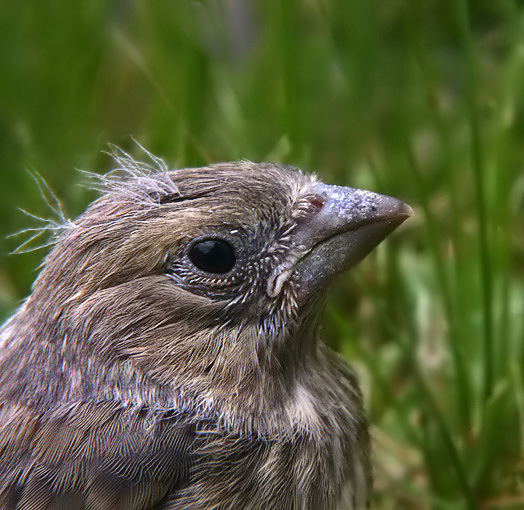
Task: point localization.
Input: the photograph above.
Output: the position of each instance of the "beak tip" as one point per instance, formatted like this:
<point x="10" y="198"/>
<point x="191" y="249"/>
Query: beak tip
<point x="406" y="211"/>
<point x="392" y="210"/>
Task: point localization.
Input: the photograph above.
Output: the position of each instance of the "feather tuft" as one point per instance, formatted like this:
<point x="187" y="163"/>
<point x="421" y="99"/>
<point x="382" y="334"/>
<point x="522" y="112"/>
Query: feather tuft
<point x="50" y="228"/>
<point x="146" y="184"/>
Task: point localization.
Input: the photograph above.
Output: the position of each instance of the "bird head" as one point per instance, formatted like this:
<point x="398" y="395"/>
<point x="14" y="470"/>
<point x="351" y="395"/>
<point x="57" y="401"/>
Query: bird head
<point x="211" y="273"/>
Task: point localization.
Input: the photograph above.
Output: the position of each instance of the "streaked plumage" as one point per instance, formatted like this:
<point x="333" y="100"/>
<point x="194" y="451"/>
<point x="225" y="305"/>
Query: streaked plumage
<point x="133" y="379"/>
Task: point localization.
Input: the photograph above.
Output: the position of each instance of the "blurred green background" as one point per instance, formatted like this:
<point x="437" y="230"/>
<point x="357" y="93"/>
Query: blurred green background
<point x="420" y="100"/>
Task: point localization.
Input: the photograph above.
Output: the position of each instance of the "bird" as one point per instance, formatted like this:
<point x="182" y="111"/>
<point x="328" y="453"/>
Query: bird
<point x="169" y="355"/>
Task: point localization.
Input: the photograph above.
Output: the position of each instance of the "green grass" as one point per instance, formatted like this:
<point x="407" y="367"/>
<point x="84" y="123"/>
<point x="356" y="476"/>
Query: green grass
<point x="420" y="100"/>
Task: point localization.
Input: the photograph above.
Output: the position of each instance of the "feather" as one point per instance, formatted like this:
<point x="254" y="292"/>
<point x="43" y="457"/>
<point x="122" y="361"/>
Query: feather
<point x="168" y="356"/>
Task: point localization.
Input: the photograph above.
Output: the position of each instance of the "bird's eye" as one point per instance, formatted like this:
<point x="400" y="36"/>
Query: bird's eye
<point x="213" y="256"/>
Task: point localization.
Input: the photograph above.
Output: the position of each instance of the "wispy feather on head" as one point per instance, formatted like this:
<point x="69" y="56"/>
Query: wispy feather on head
<point x="147" y="184"/>
<point x="49" y="228"/>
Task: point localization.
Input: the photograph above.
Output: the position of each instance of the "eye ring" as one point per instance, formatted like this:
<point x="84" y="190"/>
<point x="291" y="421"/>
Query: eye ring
<point x="213" y="255"/>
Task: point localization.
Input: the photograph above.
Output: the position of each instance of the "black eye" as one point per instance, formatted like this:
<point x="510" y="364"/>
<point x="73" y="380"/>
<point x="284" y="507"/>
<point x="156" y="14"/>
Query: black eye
<point x="213" y="256"/>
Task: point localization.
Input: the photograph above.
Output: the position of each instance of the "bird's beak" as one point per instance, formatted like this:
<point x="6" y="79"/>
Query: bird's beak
<point x="347" y="224"/>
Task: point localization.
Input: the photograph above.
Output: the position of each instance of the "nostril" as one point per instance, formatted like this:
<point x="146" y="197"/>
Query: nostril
<point x="308" y="206"/>
<point x="316" y="202"/>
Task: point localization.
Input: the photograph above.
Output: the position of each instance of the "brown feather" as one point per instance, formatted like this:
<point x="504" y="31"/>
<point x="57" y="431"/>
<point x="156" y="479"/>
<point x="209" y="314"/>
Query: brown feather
<point x="132" y="379"/>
